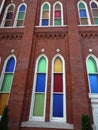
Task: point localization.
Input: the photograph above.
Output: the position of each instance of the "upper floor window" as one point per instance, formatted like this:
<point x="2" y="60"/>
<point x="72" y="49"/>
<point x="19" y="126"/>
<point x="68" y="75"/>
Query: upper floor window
<point x="57" y="14"/>
<point x="6" y="81"/>
<point x="94" y="8"/>
<point x="8" y="15"/>
<point x="45" y="14"/>
<point x="83" y="13"/>
<point x="92" y="69"/>
<point x="20" y="16"/>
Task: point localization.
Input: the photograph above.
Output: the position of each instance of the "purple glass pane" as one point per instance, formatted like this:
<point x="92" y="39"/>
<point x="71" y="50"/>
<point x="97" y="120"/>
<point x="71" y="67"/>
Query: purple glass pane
<point x="9" y="15"/>
<point x="93" y="5"/>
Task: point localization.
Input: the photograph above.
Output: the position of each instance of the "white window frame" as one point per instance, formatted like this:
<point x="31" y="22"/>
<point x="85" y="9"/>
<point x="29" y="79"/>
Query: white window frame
<point x="15" y="22"/>
<point x="88" y="16"/>
<point x="33" y="91"/>
<point x="2" y="4"/>
<point x="62" y="17"/>
<point x="64" y="118"/>
<point x="41" y="13"/>
<point x="5" y="14"/>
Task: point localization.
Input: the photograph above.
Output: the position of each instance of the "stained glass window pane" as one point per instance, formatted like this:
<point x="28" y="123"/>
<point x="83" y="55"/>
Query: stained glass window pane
<point x="42" y="65"/>
<point x="58" y="83"/>
<point x="9" y="15"/>
<point x="45" y="14"/>
<point x="57" y="6"/>
<point x="7" y="82"/>
<point x="40" y="82"/>
<point x="83" y="14"/>
<point x="46" y="7"/>
<point x="19" y="23"/>
<point x="10" y="65"/>
<point x="3" y="101"/>
<point x="57" y="14"/>
<point x="96" y="20"/>
<point x="93" y="5"/>
<point x="45" y="22"/>
<point x="39" y="105"/>
<point x="11" y="8"/>
<point x="21" y="15"/>
<point x="84" y="21"/>
<point x="93" y="78"/>
<point x="57" y="21"/>
<point x="95" y="12"/>
<point x="7" y="23"/>
<point x="57" y="105"/>
<point x="58" y="65"/>
<point x="22" y="8"/>
<point x="81" y="6"/>
<point x="91" y="65"/>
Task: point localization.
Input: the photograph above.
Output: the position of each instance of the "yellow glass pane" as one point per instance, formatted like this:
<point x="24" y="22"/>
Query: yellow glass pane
<point x="46" y="14"/>
<point x="58" y="67"/>
<point x="3" y="101"/>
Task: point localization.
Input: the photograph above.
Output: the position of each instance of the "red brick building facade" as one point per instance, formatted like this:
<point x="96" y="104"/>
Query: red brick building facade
<point x="61" y="37"/>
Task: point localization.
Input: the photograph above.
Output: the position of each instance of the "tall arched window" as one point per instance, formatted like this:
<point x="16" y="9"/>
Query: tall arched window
<point x="45" y="14"/>
<point x="38" y="103"/>
<point x="57" y="13"/>
<point x="58" y="99"/>
<point x="94" y="8"/>
<point x="8" y="15"/>
<point x="83" y="13"/>
<point x="92" y="69"/>
<point x="20" y="16"/>
<point x="6" y="81"/>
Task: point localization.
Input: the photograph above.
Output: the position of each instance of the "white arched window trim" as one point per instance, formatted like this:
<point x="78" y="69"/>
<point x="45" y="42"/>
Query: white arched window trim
<point x="62" y="19"/>
<point x="5" y="13"/>
<point x="2" y="4"/>
<point x="15" y="22"/>
<point x="41" y="13"/>
<point x="34" y="85"/>
<point x="64" y="119"/>
<point x="88" y="16"/>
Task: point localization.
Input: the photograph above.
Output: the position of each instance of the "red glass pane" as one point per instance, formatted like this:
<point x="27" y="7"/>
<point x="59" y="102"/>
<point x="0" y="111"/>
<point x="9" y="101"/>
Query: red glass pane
<point x="57" y="14"/>
<point x="58" y="83"/>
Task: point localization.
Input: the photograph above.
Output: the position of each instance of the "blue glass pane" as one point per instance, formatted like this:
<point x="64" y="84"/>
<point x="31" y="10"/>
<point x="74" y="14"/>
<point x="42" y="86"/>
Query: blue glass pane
<point x="58" y="105"/>
<point x="45" y="22"/>
<point x="93" y="5"/>
<point x="83" y="14"/>
<point x="93" y="83"/>
<point x="10" y="65"/>
<point x="40" y="82"/>
<point x="22" y="8"/>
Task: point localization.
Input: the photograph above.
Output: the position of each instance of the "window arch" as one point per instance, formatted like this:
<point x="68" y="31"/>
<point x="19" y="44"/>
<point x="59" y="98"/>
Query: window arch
<point x="8" y="15"/>
<point x="83" y="13"/>
<point x="57" y="13"/>
<point x="92" y="69"/>
<point x="6" y="81"/>
<point x="20" y="16"/>
<point x="58" y="99"/>
<point x="38" y="103"/>
<point x="45" y="14"/>
<point x="94" y="8"/>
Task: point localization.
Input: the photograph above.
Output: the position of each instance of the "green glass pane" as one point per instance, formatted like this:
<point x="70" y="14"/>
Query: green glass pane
<point x="7" y="82"/>
<point x="57" y="21"/>
<point x="91" y="65"/>
<point x="96" y="20"/>
<point x="42" y="65"/>
<point x="46" y="7"/>
<point x="81" y="5"/>
<point x="39" y="105"/>
<point x="21" y="15"/>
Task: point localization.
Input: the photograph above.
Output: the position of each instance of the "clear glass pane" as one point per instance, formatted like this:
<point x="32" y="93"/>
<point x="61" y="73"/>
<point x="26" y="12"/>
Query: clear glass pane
<point x="81" y="6"/>
<point x="7" y="23"/>
<point x="42" y="65"/>
<point x="19" y="23"/>
<point x="46" y="7"/>
<point x="45" y="15"/>
<point x="21" y="15"/>
<point x="57" y="6"/>
<point x="95" y="12"/>
<point x="58" y="67"/>
<point x="84" y="21"/>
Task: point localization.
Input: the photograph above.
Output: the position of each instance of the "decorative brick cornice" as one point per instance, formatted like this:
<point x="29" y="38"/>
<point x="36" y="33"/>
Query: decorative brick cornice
<point x="89" y="35"/>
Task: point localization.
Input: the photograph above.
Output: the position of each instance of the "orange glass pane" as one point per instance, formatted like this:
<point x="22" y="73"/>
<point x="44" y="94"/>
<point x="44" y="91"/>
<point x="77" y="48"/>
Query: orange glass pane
<point x="3" y="101"/>
<point x="58" y="67"/>
<point x="46" y="14"/>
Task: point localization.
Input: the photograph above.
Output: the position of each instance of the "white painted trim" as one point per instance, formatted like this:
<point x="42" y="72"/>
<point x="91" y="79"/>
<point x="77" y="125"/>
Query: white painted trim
<point x="5" y="14"/>
<point x="51" y="26"/>
<point x="2" y="4"/>
<point x="41" y="13"/>
<point x="15" y="21"/>
<point x="53" y="119"/>
<point x="88" y="16"/>
<point x="33" y="91"/>
<point x="62" y="19"/>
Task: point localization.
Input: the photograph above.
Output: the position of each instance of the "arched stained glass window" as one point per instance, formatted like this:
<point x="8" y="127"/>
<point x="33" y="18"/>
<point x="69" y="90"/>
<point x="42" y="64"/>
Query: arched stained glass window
<point x="20" y="17"/>
<point x="7" y="19"/>
<point x="83" y="13"/>
<point x="58" y="90"/>
<point x="92" y="74"/>
<point x="39" y="90"/>
<point x="94" y="7"/>
<point x="58" y="14"/>
<point x="7" y="78"/>
<point x="45" y="14"/>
